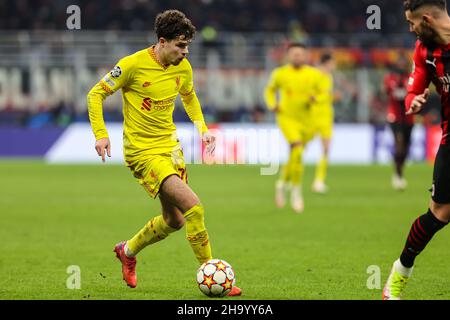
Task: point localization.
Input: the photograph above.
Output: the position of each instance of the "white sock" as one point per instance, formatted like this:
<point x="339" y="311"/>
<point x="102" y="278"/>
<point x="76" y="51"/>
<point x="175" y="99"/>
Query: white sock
<point x="404" y="271"/>
<point x="128" y="252"/>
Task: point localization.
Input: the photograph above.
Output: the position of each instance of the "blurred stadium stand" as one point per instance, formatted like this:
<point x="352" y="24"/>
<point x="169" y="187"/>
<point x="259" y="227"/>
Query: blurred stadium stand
<point x="323" y="16"/>
<point x="46" y="70"/>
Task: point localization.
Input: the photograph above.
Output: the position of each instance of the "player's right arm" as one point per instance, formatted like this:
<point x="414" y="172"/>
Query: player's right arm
<point x="270" y="91"/>
<point x="418" y="82"/>
<point x="117" y="78"/>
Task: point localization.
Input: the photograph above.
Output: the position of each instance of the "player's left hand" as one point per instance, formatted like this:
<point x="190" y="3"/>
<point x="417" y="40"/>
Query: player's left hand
<point x="210" y="143"/>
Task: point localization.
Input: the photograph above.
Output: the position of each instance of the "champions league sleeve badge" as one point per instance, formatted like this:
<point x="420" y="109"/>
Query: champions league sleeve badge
<point x="116" y="72"/>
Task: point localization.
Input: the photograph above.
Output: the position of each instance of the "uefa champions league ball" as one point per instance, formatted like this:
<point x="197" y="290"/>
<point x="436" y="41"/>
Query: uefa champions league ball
<point x="215" y="278"/>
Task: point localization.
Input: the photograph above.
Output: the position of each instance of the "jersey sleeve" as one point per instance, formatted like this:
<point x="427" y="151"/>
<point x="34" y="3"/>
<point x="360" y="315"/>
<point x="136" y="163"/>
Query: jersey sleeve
<point x="270" y="91"/>
<point x="117" y="78"/>
<point x="191" y="103"/>
<point x="419" y="78"/>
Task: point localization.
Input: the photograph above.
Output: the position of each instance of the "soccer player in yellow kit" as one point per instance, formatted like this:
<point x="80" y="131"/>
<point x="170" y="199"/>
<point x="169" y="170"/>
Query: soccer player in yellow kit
<point x="151" y="80"/>
<point x="297" y="83"/>
<point x="322" y="114"/>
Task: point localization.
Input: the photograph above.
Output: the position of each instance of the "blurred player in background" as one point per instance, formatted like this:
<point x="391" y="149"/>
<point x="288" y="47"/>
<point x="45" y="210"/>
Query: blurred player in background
<point x="296" y="83"/>
<point x="395" y="83"/>
<point x="430" y="21"/>
<point x="151" y="80"/>
<point x="322" y="114"/>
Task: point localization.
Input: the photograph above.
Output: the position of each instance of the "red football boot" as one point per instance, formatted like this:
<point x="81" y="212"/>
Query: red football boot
<point x="128" y="265"/>
<point x="235" y="291"/>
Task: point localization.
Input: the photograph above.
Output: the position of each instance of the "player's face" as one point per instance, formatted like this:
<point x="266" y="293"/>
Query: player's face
<point x="175" y="50"/>
<point x="420" y="27"/>
<point x="297" y="56"/>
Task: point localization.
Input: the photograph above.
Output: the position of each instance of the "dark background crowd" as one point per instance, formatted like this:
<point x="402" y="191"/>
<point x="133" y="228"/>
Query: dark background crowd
<point x="325" y="16"/>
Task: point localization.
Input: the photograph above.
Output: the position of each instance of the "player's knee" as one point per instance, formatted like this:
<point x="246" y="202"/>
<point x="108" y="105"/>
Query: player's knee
<point x="190" y="202"/>
<point x="176" y="222"/>
<point x="297" y="153"/>
<point x="179" y="223"/>
<point x="296" y="145"/>
<point x="440" y="211"/>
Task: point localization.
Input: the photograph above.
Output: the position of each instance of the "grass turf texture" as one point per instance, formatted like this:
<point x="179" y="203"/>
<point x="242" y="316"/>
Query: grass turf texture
<point x="54" y="216"/>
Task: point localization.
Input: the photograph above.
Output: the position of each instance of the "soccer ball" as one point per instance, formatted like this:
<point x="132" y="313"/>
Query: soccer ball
<point x="215" y="278"/>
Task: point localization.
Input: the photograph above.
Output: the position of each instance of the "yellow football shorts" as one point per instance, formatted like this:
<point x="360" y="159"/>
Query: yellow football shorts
<point x="152" y="171"/>
<point x="294" y="130"/>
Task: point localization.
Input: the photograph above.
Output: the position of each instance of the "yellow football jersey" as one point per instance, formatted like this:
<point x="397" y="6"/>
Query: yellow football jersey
<point x="296" y="87"/>
<point x="149" y="91"/>
<point x="322" y="112"/>
<point x="324" y="94"/>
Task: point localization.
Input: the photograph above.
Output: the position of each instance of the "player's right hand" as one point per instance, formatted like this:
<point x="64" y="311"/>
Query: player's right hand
<point x="101" y="145"/>
<point x="276" y="109"/>
<point x="418" y="102"/>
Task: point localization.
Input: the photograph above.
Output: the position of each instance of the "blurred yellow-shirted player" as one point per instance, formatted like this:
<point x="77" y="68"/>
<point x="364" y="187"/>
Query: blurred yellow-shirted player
<point x="322" y="114"/>
<point x="151" y="80"/>
<point x="297" y="84"/>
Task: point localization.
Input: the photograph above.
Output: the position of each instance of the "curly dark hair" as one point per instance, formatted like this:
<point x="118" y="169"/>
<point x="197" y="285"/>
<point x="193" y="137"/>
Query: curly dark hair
<point x="413" y="5"/>
<point x="171" y="24"/>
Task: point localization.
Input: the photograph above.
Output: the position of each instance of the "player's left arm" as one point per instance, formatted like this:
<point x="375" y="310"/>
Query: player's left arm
<point x="194" y="110"/>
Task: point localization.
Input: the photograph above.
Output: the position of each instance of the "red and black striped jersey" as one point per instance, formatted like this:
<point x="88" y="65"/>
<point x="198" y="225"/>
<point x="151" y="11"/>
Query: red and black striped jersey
<point x="395" y="84"/>
<point x="432" y="64"/>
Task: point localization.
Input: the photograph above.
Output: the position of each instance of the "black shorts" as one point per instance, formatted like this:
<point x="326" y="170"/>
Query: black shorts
<point x="402" y="129"/>
<point x="440" y="190"/>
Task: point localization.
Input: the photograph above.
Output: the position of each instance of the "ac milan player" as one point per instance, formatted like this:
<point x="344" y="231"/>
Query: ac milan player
<point x="395" y="83"/>
<point x="430" y="21"/>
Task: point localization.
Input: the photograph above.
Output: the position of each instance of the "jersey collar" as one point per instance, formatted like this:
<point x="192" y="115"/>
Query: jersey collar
<point x="152" y="53"/>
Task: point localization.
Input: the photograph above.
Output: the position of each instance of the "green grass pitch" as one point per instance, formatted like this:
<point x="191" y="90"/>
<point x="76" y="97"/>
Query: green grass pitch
<point x="55" y="216"/>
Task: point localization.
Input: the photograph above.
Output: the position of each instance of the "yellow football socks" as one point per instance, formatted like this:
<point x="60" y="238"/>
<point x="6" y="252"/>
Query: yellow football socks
<point x="285" y="172"/>
<point x="196" y="233"/>
<point x="296" y="165"/>
<point x="155" y="230"/>
<point x="321" y="169"/>
<point x="292" y="171"/>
